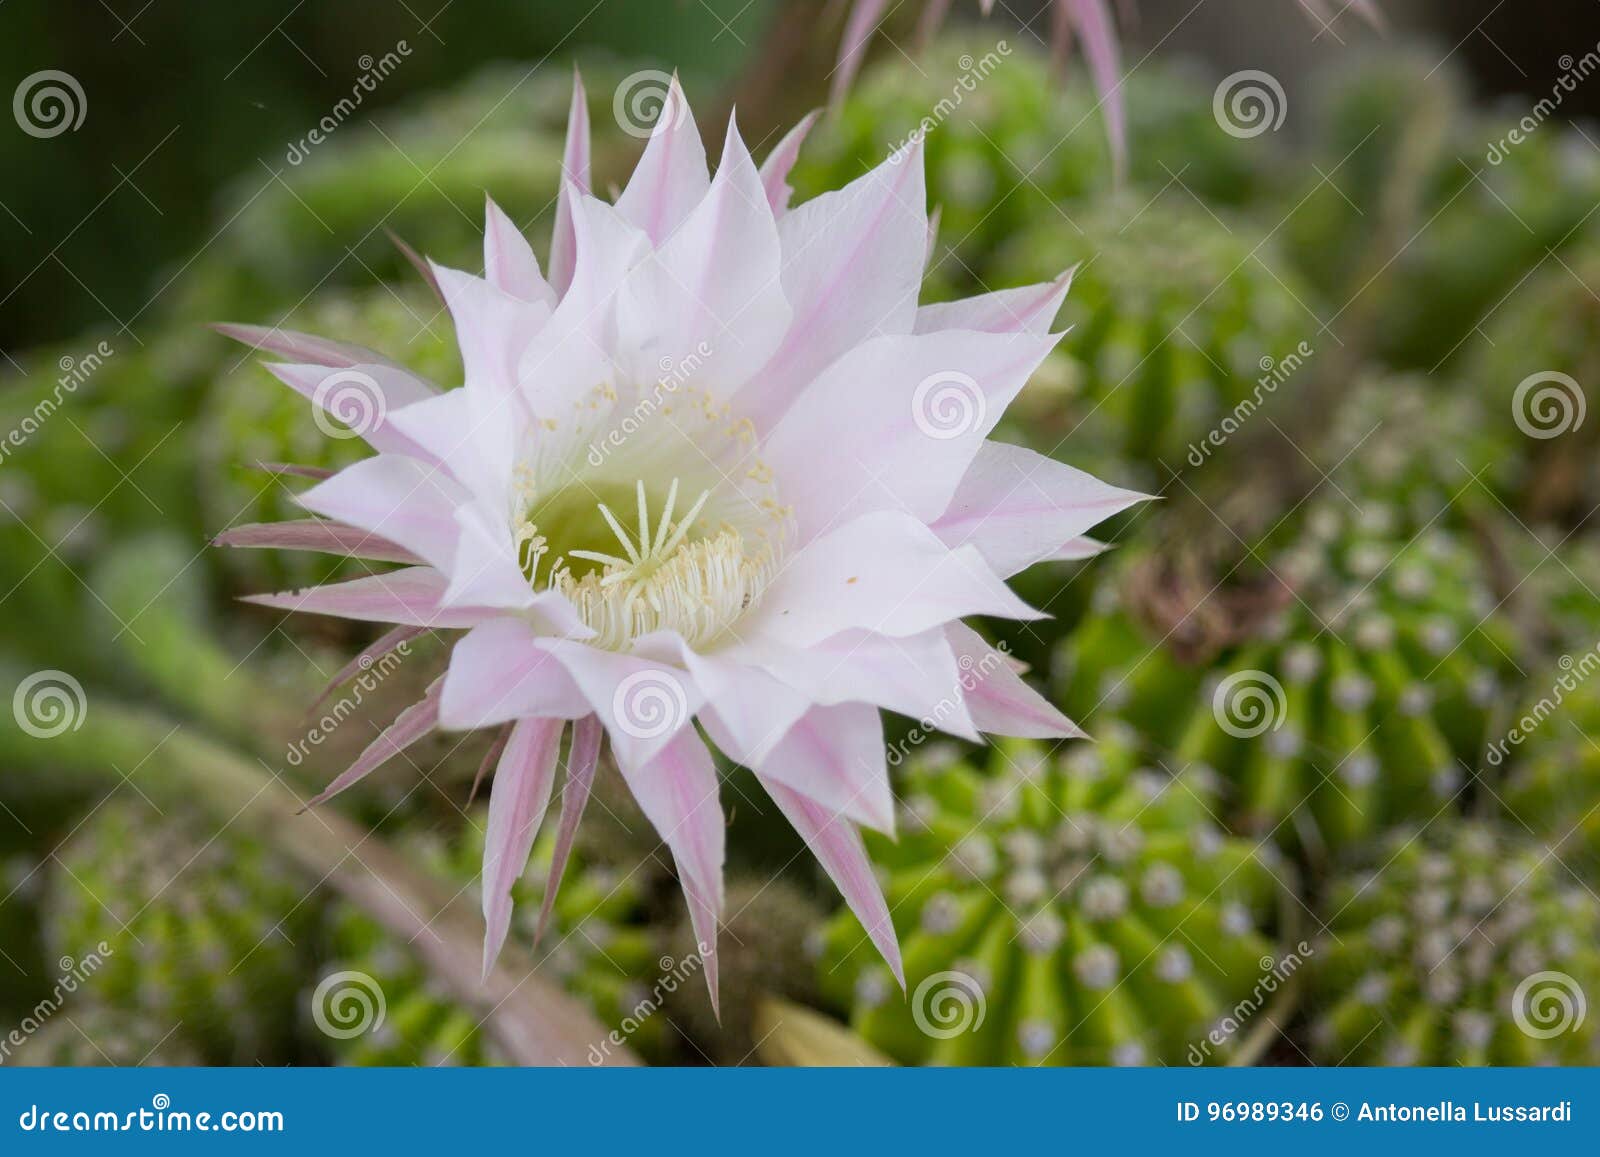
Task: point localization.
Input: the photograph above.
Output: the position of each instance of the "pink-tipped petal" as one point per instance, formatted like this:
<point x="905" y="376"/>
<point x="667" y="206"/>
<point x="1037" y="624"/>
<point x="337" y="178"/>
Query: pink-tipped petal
<point x="518" y="800"/>
<point x="402" y="499"/>
<point x="1017" y="508"/>
<point x="1030" y="309"/>
<point x="410" y="725"/>
<point x="837" y="845"/>
<point x="303" y="347"/>
<point x="835" y="756"/>
<point x="932" y="18"/>
<point x="360" y="396"/>
<point x="492" y="329"/>
<point x="1098" y="31"/>
<point x="1000" y="702"/>
<point x="1077" y="549"/>
<point x="852" y="267"/>
<point x="776" y="168"/>
<point x="671" y="177"/>
<point x="582" y="761"/>
<point x="865" y="16"/>
<point x="645" y="704"/>
<point x="294" y="470"/>
<point x="574" y="175"/>
<point x="316" y="535"/>
<point x="497" y="745"/>
<point x="499" y="672"/>
<point x="417" y="261"/>
<point x="387" y="644"/>
<point x="411" y="596"/>
<point x="508" y="261"/>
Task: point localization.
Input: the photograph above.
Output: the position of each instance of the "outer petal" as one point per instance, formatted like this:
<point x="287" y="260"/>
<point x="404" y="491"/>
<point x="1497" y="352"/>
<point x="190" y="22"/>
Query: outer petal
<point x="411" y="596"/>
<point x="883" y="572"/>
<point x="315" y="534"/>
<point x="835" y="757"/>
<point x="852" y="267"/>
<point x="409" y="726"/>
<point x="508" y="261"/>
<point x="304" y="347"/>
<point x="1000" y="702"/>
<point x="709" y="303"/>
<point x="838" y="848"/>
<point x="517" y="803"/>
<point x="864" y="18"/>
<point x="574" y="177"/>
<point x="362" y="396"/>
<point x="780" y="162"/>
<point x="918" y="411"/>
<point x="1030" y="309"/>
<point x="498" y="672"/>
<point x="671" y="177"/>
<point x="391" y="640"/>
<point x="400" y="498"/>
<point x="1017" y="507"/>
<point x="582" y="761"/>
<point x="678" y="792"/>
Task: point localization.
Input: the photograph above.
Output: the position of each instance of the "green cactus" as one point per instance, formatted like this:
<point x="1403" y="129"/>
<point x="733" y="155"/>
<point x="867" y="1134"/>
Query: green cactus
<point x="1368" y="697"/>
<point x="198" y="929"/>
<point x="1180" y="324"/>
<point x="1554" y="785"/>
<point x="1061" y="908"/>
<point x="1463" y="945"/>
<point x="597" y="946"/>
<point x="1008" y="142"/>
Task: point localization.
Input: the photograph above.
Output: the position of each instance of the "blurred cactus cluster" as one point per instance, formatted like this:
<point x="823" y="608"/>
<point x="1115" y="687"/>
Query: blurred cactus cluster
<point x="1340" y="801"/>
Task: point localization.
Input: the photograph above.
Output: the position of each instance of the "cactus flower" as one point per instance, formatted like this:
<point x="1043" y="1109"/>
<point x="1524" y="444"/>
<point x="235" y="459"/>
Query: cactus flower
<point x="712" y="474"/>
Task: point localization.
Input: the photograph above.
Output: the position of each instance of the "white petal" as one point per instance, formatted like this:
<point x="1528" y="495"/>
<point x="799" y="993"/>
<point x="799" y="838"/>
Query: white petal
<point x="1030" y="309"/>
<point x="671" y="177"/>
<point x="404" y="500"/>
<point x="498" y="672"/>
<point x="1000" y="702"/>
<point x="508" y="261"/>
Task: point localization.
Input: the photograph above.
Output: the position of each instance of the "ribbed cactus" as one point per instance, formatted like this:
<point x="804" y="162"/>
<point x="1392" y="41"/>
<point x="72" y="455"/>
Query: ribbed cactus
<point x="250" y="418"/>
<point x="1007" y="141"/>
<point x="1366" y="701"/>
<point x="201" y="930"/>
<point x="597" y="945"/>
<point x="1554" y="784"/>
<point x="1070" y="907"/>
<point x="1463" y="945"/>
<point x="1181" y="326"/>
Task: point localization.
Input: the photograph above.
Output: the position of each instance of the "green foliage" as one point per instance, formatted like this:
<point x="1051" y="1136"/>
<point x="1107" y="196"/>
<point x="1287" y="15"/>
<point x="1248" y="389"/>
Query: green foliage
<point x="1457" y="946"/>
<point x="202" y="933"/>
<point x="1088" y="904"/>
